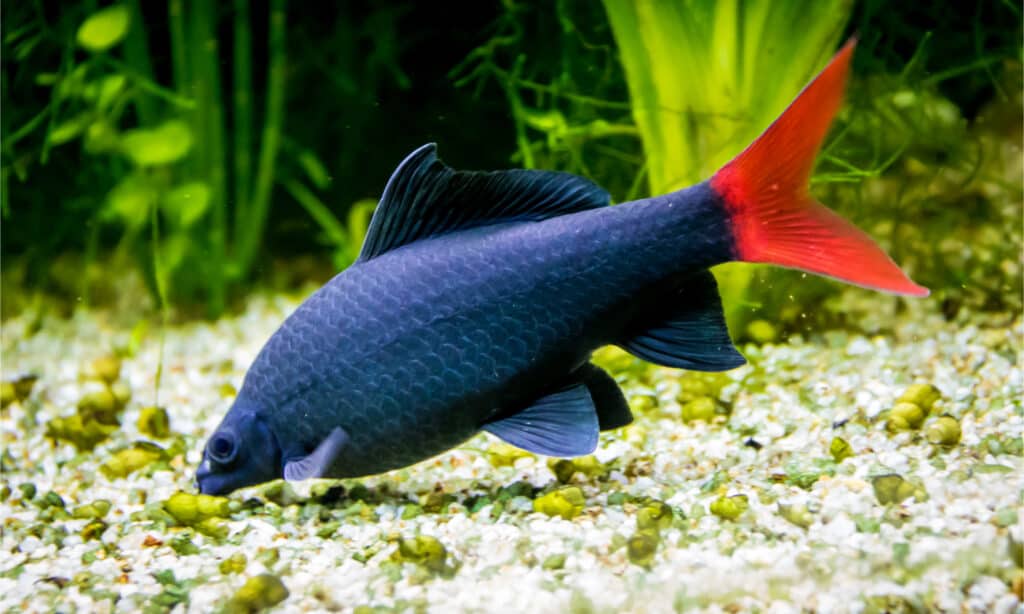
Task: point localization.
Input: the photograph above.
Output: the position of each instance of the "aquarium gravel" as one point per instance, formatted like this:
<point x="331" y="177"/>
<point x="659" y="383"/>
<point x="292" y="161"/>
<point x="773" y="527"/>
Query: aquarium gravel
<point x="816" y="478"/>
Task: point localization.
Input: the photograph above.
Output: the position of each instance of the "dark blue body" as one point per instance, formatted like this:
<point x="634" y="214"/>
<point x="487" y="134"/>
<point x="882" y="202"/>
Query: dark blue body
<point x="412" y="351"/>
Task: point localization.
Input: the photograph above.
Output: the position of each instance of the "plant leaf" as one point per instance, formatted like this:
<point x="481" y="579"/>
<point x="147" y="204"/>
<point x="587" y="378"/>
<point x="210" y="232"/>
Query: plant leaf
<point x="105" y="28"/>
<point x="167" y="143"/>
<point x="186" y="204"/>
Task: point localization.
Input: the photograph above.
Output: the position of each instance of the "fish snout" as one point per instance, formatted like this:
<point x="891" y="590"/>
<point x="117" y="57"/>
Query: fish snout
<point x="203" y="473"/>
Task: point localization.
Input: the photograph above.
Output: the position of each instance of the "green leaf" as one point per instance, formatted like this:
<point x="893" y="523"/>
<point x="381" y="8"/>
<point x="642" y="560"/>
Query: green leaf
<point x="67" y="130"/>
<point x="167" y="143"/>
<point x="108" y="89"/>
<point x="100" y="136"/>
<point x="186" y="204"/>
<point x="104" y="28"/>
<point x="173" y="251"/>
<point x="130" y="200"/>
<point x="315" y="169"/>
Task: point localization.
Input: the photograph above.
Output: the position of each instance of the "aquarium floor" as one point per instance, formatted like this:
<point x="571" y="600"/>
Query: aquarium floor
<point x="951" y="546"/>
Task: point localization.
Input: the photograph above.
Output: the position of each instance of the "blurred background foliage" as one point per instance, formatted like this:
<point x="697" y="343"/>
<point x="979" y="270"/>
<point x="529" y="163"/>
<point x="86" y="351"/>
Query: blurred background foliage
<point x="218" y="147"/>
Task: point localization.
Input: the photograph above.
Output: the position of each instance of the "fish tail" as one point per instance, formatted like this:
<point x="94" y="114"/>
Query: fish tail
<point x="773" y="217"/>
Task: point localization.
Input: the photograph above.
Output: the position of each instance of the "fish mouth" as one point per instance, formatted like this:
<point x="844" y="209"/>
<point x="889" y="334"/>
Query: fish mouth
<point x="203" y="473"/>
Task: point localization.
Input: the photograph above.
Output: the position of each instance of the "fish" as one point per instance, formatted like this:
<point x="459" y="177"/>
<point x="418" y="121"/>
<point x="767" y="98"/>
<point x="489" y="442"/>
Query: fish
<point x="478" y="298"/>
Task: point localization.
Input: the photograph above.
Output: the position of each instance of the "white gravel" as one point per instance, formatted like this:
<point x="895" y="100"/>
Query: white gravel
<point x="948" y="552"/>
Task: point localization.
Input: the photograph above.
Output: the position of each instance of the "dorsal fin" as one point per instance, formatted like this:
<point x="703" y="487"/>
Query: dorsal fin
<point x="425" y="198"/>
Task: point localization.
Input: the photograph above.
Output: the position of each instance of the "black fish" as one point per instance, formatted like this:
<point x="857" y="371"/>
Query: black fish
<point x="479" y="297"/>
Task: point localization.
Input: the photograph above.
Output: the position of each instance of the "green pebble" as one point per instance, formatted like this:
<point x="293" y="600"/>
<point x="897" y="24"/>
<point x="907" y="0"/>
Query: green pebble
<point x="797" y="514"/>
<point x="268" y="556"/>
<point x="189" y="509"/>
<point x="892" y="488"/>
<point x="617" y="498"/>
<point x="93" y="530"/>
<point x="501" y="454"/>
<point x="590" y="466"/>
<point x="411" y="510"/>
<point x="992" y="468"/>
<point x="7" y="394"/>
<point x="182" y="544"/>
<point x="106" y="368"/>
<point x="1015" y="549"/>
<point x="566" y="502"/>
<point x="235" y="563"/>
<point x="154" y="422"/>
<point x="641" y="404"/>
<point x="28" y="490"/>
<point x="905" y="416"/>
<point x="701" y="408"/>
<point x="423" y="550"/>
<point x="730" y="508"/>
<point x="129" y="460"/>
<point x="435" y="502"/>
<point x="654" y="516"/>
<point x="85" y="433"/>
<point x="52" y="499"/>
<point x="95" y="510"/>
<point x="479" y="503"/>
<point x="945" y="431"/>
<point x="328" y="529"/>
<point x="563" y="469"/>
<point x="554" y="562"/>
<point x="642" y="546"/>
<point x="762" y="332"/>
<point x="840" y="449"/>
<point x="258" y="593"/>
<point x="1014" y="446"/>
<point x="101" y="406"/>
<point x="213" y="527"/>
<point x="923" y="395"/>
<point x="1005" y="517"/>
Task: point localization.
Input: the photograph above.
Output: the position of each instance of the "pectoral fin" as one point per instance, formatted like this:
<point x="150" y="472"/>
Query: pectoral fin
<point x="317" y="463"/>
<point x="563" y="423"/>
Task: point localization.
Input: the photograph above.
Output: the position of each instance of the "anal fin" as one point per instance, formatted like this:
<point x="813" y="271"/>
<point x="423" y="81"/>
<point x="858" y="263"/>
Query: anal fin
<point x="688" y="334"/>
<point x="609" y="402"/>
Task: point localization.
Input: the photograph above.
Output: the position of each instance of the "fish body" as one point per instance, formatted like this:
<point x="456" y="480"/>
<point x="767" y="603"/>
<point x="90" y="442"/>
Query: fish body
<point x="479" y="297"/>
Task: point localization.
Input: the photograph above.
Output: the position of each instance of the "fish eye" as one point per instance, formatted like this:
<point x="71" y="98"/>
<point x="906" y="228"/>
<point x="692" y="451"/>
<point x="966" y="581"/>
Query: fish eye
<point x="222" y="448"/>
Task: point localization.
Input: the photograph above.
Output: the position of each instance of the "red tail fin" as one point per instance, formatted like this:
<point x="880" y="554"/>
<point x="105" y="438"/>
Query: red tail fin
<point x="775" y="219"/>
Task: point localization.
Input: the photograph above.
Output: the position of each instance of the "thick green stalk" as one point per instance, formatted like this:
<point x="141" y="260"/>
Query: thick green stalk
<point x="179" y="47"/>
<point x="252" y="232"/>
<point x="243" y="115"/>
<point x="210" y="139"/>
<point x="136" y="55"/>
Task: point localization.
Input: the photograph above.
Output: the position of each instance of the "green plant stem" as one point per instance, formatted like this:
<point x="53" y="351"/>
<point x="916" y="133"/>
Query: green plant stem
<point x="518" y="113"/>
<point x="209" y="125"/>
<point x="159" y="278"/>
<point x="243" y="114"/>
<point x="179" y="46"/>
<point x="136" y="54"/>
<point x="320" y="212"/>
<point x="251" y="232"/>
